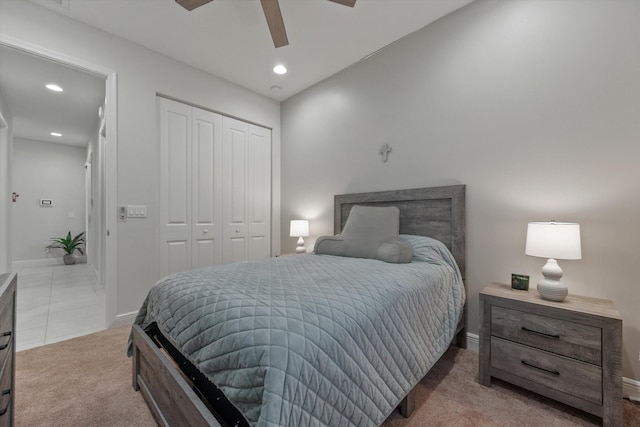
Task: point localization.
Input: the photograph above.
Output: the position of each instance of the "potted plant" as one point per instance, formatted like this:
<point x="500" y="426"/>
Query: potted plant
<point x="69" y="245"/>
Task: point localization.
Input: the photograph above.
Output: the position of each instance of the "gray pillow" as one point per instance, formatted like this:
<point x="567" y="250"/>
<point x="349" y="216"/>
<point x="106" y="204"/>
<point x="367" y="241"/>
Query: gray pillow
<point x="370" y="232"/>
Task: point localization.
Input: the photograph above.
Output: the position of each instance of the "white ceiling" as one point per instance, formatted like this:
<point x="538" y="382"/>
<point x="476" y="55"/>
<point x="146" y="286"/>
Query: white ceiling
<point x="37" y="111"/>
<point x="230" y="38"/>
<point x="227" y="38"/>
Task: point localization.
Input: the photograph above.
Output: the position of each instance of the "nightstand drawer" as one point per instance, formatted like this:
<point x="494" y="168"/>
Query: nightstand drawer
<point x="8" y="284"/>
<point x="6" y="394"/>
<point x="577" y="378"/>
<point x="6" y="328"/>
<point x="566" y="338"/>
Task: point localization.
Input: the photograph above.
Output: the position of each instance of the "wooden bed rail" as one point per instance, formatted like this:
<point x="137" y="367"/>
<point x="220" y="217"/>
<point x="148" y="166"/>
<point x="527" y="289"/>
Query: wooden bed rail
<point x="170" y="398"/>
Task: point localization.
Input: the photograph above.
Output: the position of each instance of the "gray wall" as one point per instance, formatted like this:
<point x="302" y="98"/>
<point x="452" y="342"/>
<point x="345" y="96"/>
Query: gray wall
<point x="45" y="170"/>
<point x="141" y="74"/>
<point x="532" y="104"/>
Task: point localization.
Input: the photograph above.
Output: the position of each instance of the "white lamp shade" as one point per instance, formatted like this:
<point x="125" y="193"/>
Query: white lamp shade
<point x="299" y="228"/>
<point x="558" y="240"/>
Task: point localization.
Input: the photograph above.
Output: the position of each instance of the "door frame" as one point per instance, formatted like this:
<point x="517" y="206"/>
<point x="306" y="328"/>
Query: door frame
<point x="110" y="225"/>
<point x="5" y="191"/>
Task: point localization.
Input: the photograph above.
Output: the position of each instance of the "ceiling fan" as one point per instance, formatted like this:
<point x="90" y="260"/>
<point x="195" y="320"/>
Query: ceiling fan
<point x="271" y="10"/>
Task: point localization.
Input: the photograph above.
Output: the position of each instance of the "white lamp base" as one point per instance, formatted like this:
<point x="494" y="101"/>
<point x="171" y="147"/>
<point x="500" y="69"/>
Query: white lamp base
<point x="300" y="249"/>
<point x="551" y="287"/>
<point x="552" y="290"/>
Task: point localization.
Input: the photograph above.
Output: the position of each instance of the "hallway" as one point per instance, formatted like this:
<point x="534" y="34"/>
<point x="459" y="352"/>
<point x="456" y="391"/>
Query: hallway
<point x="57" y="302"/>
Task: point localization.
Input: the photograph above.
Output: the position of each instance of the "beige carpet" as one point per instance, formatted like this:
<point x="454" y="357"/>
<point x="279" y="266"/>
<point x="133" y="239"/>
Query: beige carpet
<point x="87" y="382"/>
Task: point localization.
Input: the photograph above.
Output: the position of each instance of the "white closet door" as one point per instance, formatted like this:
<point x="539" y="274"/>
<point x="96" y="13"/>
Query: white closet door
<point x="206" y="185"/>
<point x="215" y="188"/>
<point x="175" y="186"/>
<point x="246" y="191"/>
<point x="234" y="155"/>
<point x="259" y="192"/>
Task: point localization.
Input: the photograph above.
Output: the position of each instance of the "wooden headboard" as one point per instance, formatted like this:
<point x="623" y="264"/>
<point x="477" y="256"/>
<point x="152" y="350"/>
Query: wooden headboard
<point x="437" y="212"/>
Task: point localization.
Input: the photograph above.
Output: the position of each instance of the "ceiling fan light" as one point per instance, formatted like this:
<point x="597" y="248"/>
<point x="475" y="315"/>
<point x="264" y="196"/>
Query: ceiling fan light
<point x="280" y="69"/>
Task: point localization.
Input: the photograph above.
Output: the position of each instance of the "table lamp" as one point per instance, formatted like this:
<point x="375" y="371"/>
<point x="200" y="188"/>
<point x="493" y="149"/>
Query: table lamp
<point x="553" y="240"/>
<point x="299" y="228"/>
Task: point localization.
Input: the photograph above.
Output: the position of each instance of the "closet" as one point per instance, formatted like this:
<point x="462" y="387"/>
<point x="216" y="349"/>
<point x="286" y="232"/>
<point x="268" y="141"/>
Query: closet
<point x="215" y="188"/>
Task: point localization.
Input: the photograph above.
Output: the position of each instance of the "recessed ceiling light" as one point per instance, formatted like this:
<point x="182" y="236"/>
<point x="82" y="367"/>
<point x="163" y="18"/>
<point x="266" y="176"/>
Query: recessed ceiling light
<point x="54" y="87"/>
<point x="56" y="134"/>
<point x="280" y="69"/>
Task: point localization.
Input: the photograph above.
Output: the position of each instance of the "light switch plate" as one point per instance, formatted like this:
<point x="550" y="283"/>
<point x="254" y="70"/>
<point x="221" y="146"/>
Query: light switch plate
<point x="136" y="211"/>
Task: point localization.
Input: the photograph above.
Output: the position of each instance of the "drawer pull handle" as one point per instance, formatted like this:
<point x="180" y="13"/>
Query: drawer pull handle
<point x="4" y="411"/>
<point x="551" y="371"/>
<point x="5" y="334"/>
<point x="524" y="328"/>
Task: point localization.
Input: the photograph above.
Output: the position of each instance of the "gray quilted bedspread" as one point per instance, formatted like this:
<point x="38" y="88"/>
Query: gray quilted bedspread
<point x="313" y="339"/>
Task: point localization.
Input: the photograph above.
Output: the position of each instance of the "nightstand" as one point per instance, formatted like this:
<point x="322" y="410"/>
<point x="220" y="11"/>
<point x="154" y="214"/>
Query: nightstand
<point x="8" y="285"/>
<point x="570" y="351"/>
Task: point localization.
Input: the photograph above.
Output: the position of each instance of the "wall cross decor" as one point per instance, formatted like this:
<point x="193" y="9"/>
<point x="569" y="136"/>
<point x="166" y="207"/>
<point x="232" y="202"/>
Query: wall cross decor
<point x="384" y="151"/>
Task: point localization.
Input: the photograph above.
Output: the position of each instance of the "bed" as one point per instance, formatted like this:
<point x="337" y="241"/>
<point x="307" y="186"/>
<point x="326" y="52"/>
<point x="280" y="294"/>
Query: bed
<point x="311" y="351"/>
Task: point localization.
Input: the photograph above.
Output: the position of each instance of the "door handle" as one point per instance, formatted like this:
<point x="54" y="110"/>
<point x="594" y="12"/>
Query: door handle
<point x="5" y="334"/>
<point x="14" y="197"/>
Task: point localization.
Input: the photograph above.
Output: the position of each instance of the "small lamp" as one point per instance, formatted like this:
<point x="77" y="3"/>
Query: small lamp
<point x="553" y="240"/>
<point x="299" y="228"/>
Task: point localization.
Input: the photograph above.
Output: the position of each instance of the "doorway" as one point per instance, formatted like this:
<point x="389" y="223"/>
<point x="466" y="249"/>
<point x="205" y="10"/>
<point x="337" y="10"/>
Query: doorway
<point x="101" y="235"/>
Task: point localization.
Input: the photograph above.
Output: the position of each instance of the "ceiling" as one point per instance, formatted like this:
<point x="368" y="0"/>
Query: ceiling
<point x="37" y="111"/>
<point x="230" y="38"/>
<point x="227" y="38"/>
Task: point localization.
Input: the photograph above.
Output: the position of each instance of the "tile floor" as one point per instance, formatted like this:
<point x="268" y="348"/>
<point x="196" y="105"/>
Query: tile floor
<point x="57" y="302"/>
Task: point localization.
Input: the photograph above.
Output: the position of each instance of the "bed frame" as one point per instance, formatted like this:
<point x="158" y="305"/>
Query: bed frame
<point x="175" y="391"/>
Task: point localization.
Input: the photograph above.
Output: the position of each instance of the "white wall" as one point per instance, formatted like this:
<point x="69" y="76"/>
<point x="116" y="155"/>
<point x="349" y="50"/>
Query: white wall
<point x="141" y="74"/>
<point x="6" y="147"/>
<point x="532" y="104"/>
<point x="44" y="170"/>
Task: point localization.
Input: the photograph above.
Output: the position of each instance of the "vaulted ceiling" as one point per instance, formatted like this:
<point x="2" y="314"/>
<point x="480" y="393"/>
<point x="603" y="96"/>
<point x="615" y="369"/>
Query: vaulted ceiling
<point x="231" y="39"/>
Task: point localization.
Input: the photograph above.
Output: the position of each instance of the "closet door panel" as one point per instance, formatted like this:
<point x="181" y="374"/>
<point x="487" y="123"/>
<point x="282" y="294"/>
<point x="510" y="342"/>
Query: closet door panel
<point x="259" y="192"/>
<point x="236" y="250"/>
<point x="206" y="184"/>
<point x="175" y="194"/>
<point x="237" y="148"/>
<point x="178" y="257"/>
<point x="234" y="151"/>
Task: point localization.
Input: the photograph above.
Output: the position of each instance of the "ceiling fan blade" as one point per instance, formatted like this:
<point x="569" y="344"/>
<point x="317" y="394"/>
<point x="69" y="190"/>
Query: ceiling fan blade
<point x="192" y="4"/>
<point x="274" y="20"/>
<point x="349" y="3"/>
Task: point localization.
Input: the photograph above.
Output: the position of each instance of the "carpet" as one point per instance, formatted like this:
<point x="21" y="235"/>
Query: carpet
<point x="86" y="381"/>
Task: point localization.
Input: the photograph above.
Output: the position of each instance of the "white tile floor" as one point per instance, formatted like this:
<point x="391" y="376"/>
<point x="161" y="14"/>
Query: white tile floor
<point x="56" y="303"/>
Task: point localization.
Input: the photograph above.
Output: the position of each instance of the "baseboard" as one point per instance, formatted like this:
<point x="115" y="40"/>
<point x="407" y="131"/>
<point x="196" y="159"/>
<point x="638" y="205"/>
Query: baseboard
<point x="630" y="388"/>
<point x="473" y="342"/>
<point x="126" y="319"/>
<point x="44" y="262"/>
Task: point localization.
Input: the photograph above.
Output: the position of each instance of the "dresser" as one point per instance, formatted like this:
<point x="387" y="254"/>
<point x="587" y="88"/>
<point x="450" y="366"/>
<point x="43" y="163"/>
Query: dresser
<point x="8" y="283"/>
<point x="570" y="351"/>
